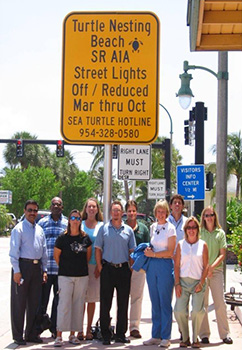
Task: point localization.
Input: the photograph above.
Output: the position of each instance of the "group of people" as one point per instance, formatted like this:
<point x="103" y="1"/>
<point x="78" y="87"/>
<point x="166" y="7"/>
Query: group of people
<point x="85" y="260"/>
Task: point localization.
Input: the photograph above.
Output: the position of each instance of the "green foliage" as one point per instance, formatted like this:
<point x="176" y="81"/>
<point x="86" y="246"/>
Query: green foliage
<point x="78" y="191"/>
<point x="236" y="241"/>
<point x="234" y="215"/>
<point x="234" y="229"/>
<point x="35" y="183"/>
<point x="5" y="219"/>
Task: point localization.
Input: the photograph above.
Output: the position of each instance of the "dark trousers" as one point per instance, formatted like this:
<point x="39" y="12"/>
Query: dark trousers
<point x="46" y="289"/>
<point x="25" y="298"/>
<point x="118" y="278"/>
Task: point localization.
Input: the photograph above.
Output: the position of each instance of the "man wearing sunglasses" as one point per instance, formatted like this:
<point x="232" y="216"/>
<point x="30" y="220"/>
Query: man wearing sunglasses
<point x="53" y="225"/>
<point x="28" y="256"/>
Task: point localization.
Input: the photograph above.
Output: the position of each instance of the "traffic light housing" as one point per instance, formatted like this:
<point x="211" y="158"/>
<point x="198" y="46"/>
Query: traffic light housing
<point x="60" y="148"/>
<point x="186" y="133"/>
<point x="209" y="181"/>
<point x="115" y="151"/>
<point x="19" y="148"/>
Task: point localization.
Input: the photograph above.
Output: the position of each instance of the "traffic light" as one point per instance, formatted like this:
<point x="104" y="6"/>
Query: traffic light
<point x="115" y="151"/>
<point x="19" y="148"/>
<point x="60" y="148"/>
<point x="209" y="181"/>
<point x="186" y="133"/>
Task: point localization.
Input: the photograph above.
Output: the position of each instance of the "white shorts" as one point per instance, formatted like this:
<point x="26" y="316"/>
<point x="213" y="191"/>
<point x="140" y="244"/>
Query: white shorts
<point x="93" y="290"/>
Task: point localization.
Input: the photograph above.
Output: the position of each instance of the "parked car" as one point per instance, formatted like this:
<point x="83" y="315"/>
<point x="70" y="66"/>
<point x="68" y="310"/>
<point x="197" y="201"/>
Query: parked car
<point x="12" y="222"/>
<point x="146" y="219"/>
<point x="41" y="213"/>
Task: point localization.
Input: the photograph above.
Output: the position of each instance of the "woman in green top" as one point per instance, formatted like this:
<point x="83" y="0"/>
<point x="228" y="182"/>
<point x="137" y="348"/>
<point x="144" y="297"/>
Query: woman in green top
<point x="214" y="236"/>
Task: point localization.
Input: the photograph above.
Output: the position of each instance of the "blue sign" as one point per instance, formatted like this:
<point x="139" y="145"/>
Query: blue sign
<point x="191" y="182"/>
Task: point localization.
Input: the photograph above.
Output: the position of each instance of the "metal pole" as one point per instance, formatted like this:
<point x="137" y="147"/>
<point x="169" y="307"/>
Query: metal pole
<point x="107" y="196"/>
<point x="199" y="146"/>
<point x="222" y="130"/>
<point x="134" y="190"/>
<point x="171" y="128"/>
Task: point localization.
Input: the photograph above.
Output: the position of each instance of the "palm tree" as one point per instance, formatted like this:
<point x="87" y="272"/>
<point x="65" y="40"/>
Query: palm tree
<point x="234" y="159"/>
<point x="34" y="154"/>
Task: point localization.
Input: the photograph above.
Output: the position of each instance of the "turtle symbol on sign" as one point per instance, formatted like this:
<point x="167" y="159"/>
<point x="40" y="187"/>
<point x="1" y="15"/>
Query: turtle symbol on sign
<point x="135" y="44"/>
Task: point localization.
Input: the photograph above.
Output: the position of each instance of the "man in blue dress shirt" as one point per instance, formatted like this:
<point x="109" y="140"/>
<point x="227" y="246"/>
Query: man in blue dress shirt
<point x="114" y="243"/>
<point x="53" y="225"/>
<point x="176" y="217"/>
<point x="28" y="256"/>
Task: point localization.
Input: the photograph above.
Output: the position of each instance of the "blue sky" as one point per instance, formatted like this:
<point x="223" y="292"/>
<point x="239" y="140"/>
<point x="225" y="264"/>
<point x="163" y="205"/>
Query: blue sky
<point x="30" y="71"/>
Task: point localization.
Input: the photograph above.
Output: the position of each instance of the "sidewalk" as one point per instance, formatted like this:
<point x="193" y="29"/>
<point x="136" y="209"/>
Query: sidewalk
<point x="233" y="279"/>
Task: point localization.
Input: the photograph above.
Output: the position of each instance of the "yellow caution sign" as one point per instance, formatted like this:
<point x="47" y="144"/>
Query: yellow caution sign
<point x="110" y="77"/>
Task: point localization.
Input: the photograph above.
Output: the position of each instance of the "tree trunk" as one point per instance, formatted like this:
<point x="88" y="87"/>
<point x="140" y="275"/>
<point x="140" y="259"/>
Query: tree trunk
<point x="126" y="188"/>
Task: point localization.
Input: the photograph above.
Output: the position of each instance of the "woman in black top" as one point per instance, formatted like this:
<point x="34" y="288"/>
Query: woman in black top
<point x="72" y="252"/>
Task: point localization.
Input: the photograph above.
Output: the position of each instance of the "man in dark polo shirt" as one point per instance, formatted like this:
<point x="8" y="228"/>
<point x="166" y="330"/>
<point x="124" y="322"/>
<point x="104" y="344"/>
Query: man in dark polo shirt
<point x="141" y="233"/>
<point x="114" y="243"/>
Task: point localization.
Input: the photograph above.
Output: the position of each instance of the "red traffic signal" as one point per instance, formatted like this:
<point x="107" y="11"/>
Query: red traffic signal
<point x="60" y="148"/>
<point x="19" y="148"/>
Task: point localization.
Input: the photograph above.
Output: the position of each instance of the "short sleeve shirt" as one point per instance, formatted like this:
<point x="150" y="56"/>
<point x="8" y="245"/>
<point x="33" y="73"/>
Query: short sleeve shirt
<point x="115" y="243"/>
<point x="215" y="240"/>
<point x="73" y="257"/>
<point x="159" y="235"/>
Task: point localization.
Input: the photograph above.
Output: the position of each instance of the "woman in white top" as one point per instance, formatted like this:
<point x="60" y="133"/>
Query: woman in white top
<point x="191" y="266"/>
<point x="160" y="275"/>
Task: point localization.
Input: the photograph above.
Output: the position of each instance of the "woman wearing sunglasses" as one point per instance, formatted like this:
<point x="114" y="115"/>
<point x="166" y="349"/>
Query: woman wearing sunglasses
<point x="191" y="264"/>
<point x="214" y="236"/>
<point x="72" y="252"/>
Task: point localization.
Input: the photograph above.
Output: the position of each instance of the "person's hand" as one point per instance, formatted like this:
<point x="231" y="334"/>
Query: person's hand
<point x="198" y="287"/>
<point x="178" y="290"/>
<point x="210" y="271"/>
<point x="96" y="272"/>
<point x="45" y="277"/>
<point x="17" y="277"/>
<point x="148" y="252"/>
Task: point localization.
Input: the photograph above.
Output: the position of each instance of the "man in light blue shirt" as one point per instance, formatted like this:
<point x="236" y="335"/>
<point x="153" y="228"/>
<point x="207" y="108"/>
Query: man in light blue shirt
<point x="114" y="243"/>
<point x="176" y="217"/>
<point x="28" y="256"/>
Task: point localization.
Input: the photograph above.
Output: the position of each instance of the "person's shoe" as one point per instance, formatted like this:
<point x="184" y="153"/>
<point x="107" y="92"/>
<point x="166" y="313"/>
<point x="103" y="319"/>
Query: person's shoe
<point x="58" y="342"/>
<point x="165" y="343"/>
<point x="80" y="336"/>
<point x="136" y="334"/>
<point x="185" y="344"/>
<point x="205" y="340"/>
<point x="20" y="341"/>
<point x="123" y="340"/>
<point x="196" y="344"/>
<point x="73" y="340"/>
<point x="152" y="341"/>
<point x="106" y="342"/>
<point x="228" y="340"/>
<point x="35" y="339"/>
<point x="53" y="334"/>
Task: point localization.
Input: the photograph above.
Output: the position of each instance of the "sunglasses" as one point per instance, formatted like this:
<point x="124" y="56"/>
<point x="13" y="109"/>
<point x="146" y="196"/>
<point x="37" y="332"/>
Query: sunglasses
<point x="192" y="227"/>
<point x="73" y="218"/>
<point x="209" y="215"/>
<point x="30" y="210"/>
<point x="56" y="204"/>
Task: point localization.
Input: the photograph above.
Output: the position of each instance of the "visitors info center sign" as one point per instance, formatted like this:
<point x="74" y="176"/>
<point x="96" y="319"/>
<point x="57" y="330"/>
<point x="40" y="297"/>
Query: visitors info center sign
<point x="110" y="76"/>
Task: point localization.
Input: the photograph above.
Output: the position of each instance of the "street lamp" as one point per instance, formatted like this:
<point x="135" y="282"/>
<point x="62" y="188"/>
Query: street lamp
<point x="171" y="125"/>
<point x="222" y="122"/>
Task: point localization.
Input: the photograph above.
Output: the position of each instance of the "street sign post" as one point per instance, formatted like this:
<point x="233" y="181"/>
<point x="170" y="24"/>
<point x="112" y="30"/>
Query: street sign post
<point x="6" y="197"/>
<point x="157" y="189"/>
<point x="110" y="74"/>
<point x="134" y="162"/>
<point x="191" y="182"/>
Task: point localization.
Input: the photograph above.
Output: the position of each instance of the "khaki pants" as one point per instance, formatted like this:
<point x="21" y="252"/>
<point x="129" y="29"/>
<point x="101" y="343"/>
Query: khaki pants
<point x="181" y="310"/>
<point x="216" y="286"/>
<point x="136" y="297"/>
<point x="72" y="294"/>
